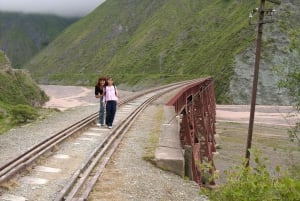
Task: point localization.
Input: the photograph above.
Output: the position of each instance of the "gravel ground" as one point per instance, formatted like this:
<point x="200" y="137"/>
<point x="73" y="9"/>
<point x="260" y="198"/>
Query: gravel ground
<point x="128" y="176"/>
<point x="73" y="103"/>
<point x="20" y="139"/>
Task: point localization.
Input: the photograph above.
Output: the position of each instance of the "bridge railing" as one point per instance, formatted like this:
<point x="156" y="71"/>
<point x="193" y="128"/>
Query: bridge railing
<point x="196" y="106"/>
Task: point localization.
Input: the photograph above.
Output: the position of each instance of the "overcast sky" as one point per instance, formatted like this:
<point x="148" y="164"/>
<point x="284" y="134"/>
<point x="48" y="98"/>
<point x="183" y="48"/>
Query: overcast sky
<point x="58" y="7"/>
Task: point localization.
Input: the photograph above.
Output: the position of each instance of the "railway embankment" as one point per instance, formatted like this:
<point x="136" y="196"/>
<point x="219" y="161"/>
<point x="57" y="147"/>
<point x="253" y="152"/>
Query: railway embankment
<point x="129" y="176"/>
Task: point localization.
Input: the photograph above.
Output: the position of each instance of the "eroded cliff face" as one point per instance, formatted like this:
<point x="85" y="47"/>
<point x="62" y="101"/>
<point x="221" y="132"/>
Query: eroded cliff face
<point x="276" y="52"/>
<point x="268" y="92"/>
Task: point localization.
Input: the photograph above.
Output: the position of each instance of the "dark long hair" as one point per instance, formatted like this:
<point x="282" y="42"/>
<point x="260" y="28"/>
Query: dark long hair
<point x="99" y="80"/>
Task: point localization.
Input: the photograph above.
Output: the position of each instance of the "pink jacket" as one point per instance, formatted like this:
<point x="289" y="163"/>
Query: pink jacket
<point x="110" y="94"/>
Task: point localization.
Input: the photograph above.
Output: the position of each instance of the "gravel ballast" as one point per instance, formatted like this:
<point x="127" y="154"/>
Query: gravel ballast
<point x="128" y="176"/>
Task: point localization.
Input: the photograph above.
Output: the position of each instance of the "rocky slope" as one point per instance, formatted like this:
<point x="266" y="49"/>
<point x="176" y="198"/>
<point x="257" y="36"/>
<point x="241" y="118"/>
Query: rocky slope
<point x="278" y="51"/>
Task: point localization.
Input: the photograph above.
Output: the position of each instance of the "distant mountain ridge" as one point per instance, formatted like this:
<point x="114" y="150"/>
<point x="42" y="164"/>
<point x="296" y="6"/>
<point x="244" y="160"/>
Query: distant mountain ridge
<point x="23" y="35"/>
<point x="143" y="43"/>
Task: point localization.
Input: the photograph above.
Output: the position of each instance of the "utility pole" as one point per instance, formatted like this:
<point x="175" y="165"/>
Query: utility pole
<point x="262" y="11"/>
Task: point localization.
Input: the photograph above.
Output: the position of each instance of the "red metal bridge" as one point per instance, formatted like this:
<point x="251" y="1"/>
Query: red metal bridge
<point x="195" y="104"/>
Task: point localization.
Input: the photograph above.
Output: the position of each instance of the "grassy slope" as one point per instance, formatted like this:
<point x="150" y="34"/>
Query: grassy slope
<point x="150" y="42"/>
<point x="90" y="44"/>
<point x="23" y="35"/>
<point x="3" y="60"/>
<point x="16" y="88"/>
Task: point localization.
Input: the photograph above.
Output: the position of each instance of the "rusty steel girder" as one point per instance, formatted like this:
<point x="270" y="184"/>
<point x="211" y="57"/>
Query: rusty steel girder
<point x="197" y="108"/>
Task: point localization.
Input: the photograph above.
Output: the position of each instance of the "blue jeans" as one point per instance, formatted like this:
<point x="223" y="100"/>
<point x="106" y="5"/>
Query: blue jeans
<point x="111" y="108"/>
<point x="101" y="112"/>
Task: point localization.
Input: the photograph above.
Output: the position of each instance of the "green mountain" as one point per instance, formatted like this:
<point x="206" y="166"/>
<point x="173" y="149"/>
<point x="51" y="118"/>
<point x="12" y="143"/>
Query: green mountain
<point x="144" y="43"/>
<point x="23" y="35"/>
<point x="19" y="94"/>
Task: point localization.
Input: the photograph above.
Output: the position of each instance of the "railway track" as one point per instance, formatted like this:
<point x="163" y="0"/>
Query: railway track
<point x="83" y="178"/>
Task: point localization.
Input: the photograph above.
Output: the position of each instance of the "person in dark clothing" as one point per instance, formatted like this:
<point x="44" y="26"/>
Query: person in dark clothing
<point x="99" y="92"/>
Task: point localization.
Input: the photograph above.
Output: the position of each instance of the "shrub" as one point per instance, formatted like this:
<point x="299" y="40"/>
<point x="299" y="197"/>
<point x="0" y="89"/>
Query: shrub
<point x="256" y="184"/>
<point x="23" y="113"/>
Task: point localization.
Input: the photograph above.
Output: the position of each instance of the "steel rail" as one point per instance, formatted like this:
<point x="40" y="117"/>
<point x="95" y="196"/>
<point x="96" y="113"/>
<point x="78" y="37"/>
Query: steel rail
<point x="100" y="169"/>
<point x="107" y="148"/>
<point x="25" y="159"/>
<point x="22" y="161"/>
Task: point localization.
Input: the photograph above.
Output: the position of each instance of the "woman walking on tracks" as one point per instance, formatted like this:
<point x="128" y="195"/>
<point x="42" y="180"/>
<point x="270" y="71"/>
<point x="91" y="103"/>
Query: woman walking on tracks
<point x="110" y="100"/>
<point x="99" y="92"/>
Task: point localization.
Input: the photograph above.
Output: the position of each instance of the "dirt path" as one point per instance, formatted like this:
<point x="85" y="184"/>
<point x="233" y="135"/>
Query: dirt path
<point x="270" y="137"/>
<point x="65" y="97"/>
<point x="264" y="114"/>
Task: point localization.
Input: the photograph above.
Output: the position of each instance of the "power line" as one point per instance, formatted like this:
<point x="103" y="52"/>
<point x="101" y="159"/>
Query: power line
<point x="262" y="11"/>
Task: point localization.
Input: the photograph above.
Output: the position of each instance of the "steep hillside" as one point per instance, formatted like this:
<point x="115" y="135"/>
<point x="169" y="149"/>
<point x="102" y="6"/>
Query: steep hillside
<point x="280" y="53"/>
<point x="23" y="35"/>
<point x="150" y="42"/>
<point x="18" y="94"/>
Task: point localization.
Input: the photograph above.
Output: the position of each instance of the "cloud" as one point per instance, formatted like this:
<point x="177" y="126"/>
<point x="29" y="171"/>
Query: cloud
<point x="58" y="7"/>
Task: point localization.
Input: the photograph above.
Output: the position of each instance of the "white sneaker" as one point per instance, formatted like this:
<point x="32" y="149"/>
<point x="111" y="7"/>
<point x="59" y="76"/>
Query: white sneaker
<point x="110" y="127"/>
<point x="98" y="124"/>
